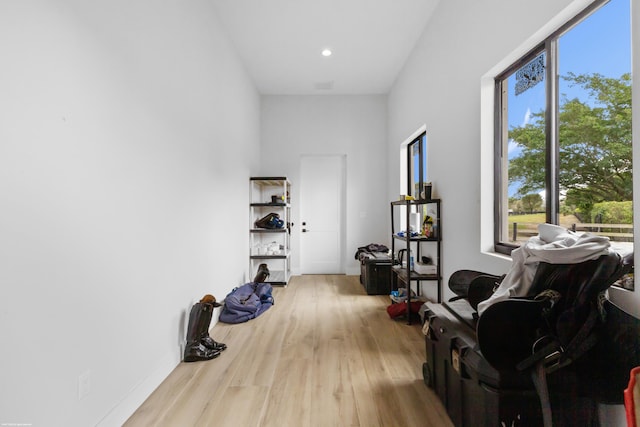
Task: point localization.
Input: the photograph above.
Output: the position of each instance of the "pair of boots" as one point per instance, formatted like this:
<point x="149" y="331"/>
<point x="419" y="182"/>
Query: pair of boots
<point x="262" y="274"/>
<point x="200" y="346"/>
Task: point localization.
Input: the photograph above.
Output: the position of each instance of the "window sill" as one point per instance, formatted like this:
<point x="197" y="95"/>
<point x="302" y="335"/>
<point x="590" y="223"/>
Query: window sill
<point x="497" y="255"/>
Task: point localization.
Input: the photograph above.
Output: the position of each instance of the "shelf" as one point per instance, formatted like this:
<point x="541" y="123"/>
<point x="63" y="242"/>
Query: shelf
<point x="269" y="180"/>
<point x="276" y="277"/>
<point x="417" y="238"/>
<point x="280" y="256"/>
<point x="402" y="274"/>
<point x="269" y="204"/>
<point x="415" y="202"/>
<point x="270" y="194"/>
<point x="411" y="215"/>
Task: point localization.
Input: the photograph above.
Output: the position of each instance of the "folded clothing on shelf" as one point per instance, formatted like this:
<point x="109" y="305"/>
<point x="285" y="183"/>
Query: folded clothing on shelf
<point x="422" y="268"/>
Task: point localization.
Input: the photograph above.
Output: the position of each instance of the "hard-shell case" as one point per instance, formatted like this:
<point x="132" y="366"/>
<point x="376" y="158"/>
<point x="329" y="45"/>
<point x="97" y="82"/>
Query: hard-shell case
<point x="375" y="273"/>
<point x="473" y="392"/>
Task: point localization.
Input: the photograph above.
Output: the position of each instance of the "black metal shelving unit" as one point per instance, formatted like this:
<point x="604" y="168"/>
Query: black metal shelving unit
<point x="416" y="243"/>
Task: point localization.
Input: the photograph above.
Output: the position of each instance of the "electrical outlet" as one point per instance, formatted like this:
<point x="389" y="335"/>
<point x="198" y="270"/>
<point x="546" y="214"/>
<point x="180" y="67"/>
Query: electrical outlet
<point x="84" y="384"/>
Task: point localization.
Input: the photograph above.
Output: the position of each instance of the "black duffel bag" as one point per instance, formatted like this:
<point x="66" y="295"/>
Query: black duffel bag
<point x="270" y="221"/>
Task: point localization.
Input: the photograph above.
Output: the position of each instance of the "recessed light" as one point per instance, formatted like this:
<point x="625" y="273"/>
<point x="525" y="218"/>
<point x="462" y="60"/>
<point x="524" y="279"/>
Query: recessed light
<point x="326" y="52"/>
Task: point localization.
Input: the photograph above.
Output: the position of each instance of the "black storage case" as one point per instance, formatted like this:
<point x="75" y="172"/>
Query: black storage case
<point x="472" y="391"/>
<point x="375" y="273"/>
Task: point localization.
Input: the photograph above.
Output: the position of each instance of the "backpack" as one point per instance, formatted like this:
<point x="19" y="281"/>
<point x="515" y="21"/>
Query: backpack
<point x="246" y="302"/>
<point x="270" y="221"/>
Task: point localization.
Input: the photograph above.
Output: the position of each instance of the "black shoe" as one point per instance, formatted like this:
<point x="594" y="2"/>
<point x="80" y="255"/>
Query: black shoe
<point x="210" y="343"/>
<point x="199" y="320"/>
<point x="199" y="352"/>
<point x="205" y="338"/>
<point x="262" y="274"/>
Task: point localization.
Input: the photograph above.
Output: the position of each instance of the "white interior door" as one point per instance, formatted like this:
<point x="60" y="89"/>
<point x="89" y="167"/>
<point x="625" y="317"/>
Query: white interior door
<point x="321" y="213"/>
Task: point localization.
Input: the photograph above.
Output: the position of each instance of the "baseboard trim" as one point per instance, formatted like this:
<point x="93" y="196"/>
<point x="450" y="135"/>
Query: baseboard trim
<point x="121" y="412"/>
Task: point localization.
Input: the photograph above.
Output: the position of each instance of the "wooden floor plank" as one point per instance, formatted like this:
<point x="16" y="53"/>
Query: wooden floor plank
<point x="326" y="354"/>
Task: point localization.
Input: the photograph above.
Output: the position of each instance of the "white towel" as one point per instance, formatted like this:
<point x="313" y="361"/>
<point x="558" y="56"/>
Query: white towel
<point x="554" y="245"/>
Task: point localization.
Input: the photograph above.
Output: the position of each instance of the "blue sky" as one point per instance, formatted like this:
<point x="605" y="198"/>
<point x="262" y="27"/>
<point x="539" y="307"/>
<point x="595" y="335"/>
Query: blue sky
<point x="606" y="33"/>
<point x="599" y="44"/>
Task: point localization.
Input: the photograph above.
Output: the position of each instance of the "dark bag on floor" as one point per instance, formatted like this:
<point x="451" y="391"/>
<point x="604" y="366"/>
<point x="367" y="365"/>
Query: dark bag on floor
<point x="246" y="302"/>
<point x="400" y="309"/>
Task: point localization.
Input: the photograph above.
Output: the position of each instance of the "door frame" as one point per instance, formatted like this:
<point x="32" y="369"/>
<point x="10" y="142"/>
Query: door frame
<point x="342" y="158"/>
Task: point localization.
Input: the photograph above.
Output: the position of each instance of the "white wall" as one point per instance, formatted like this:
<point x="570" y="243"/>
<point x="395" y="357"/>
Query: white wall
<point x="355" y="126"/>
<point x="128" y="131"/>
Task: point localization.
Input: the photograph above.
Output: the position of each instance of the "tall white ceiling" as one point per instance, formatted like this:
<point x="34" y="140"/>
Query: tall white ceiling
<point x="280" y="42"/>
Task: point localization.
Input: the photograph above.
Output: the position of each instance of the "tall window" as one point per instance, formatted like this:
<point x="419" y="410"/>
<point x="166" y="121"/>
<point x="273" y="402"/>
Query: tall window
<point x="417" y="162"/>
<point x="563" y="140"/>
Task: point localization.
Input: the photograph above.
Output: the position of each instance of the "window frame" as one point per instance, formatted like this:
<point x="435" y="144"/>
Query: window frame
<point x="552" y="164"/>
<point x="420" y="141"/>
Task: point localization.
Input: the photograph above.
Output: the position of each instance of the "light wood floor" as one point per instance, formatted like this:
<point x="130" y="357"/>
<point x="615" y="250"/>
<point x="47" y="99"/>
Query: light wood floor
<point x="326" y="354"/>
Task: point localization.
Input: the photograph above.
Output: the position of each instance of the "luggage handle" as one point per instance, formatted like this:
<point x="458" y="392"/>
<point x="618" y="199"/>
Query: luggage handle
<point x="456" y="362"/>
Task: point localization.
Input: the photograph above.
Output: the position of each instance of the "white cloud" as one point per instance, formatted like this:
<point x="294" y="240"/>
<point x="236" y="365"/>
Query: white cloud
<point x="512" y="147"/>
<point x="527" y="117"/>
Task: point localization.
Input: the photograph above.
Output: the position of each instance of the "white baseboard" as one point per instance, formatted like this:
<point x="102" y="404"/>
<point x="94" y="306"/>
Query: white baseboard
<point x="140" y="392"/>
